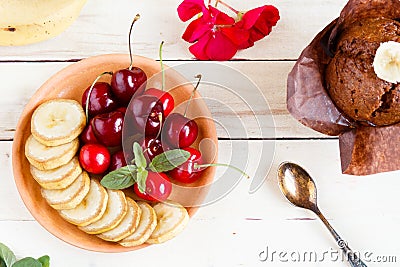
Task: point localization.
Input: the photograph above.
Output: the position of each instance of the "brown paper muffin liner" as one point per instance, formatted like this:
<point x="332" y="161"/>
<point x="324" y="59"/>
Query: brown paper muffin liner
<point x="364" y="150"/>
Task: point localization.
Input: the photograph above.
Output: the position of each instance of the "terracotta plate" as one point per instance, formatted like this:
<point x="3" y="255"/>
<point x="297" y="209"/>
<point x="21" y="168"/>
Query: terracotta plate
<point x="70" y="83"/>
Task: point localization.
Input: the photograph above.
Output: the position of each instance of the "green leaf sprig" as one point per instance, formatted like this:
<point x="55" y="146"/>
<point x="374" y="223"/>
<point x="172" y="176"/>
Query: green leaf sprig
<point x="138" y="170"/>
<point x="8" y="259"/>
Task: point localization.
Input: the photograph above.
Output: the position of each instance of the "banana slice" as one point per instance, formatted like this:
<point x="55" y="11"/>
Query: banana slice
<point x="127" y="226"/>
<point x="115" y="212"/>
<point x="69" y="197"/>
<point x="29" y="21"/>
<point x="91" y="208"/>
<point x="58" y="122"/>
<point x="171" y="220"/>
<point x="147" y="224"/>
<point x="46" y="158"/>
<point x="58" y="178"/>
<point x="387" y="62"/>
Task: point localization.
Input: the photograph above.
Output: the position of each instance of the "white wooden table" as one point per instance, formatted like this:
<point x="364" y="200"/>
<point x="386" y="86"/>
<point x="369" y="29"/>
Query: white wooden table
<point x="236" y="229"/>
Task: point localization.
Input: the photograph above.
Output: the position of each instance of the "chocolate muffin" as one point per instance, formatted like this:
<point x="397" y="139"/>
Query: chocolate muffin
<point x="350" y="77"/>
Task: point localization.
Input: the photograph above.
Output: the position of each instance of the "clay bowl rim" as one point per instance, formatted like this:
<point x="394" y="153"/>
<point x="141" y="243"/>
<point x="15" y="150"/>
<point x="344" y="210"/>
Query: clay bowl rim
<point x="45" y="215"/>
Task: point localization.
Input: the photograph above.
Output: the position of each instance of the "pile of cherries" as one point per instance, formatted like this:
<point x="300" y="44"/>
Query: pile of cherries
<point x="125" y="108"/>
<point x="145" y="115"/>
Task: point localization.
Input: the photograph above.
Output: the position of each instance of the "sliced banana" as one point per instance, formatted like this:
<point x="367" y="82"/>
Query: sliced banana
<point x="172" y="218"/>
<point x="69" y="197"/>
<point x="127" y="226"/>
<point x="58" y="178"/>
<point x="387" y="62"/>
<point x="46" y="158"/>
<point x="92" y="207"/>
<point x="58" y="122"/>
<point x="115" y="212"/>
<point x="147" y="224"/>
<point x="28" y="21"/>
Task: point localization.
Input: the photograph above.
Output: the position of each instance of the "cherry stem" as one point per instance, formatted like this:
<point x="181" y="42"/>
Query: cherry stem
<point x="162" y="67"/>
<point x="129" y="40"/>
<point x="226" y="5"/>
<point x="90" y="93"/>
<point x="198" y="166"/>
<point x="160" y="117"/>
<point x="209" y="2"/>
<point x="198" y="76"/>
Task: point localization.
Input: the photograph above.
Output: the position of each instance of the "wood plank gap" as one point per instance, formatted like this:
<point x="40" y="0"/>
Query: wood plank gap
<point x="250" y="139"/>
<point x="19" y="220"/>
<point x="165" y="60"/>
<point x="279" y="139"/>
<point x="42" y="61"/>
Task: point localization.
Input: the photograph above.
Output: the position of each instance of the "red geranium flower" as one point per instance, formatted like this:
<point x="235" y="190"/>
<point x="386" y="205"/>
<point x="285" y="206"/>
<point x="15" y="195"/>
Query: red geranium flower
<point x="217" y="36"/>
<point x="259" y="23"/>
<point x="213" y="33"/>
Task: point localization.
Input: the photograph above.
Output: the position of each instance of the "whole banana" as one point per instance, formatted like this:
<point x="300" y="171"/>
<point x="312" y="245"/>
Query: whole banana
<point x="30" y="21"/>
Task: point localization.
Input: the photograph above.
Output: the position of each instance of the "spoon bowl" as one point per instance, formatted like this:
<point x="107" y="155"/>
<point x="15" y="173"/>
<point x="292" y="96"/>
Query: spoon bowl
<point x="297" y="185"/>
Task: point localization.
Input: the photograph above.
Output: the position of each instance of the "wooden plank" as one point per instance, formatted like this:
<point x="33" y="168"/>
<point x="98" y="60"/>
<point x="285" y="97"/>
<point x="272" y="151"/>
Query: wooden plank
<point x="103" y="25"/>
<point x="238" y="104"/>
<point x="247" y="222"/>
<point x="366" y="194"/>
<point x="220" y="243"/>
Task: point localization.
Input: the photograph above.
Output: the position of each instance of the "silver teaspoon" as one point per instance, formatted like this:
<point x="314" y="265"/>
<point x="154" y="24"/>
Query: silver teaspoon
<point x="299" y="188"/>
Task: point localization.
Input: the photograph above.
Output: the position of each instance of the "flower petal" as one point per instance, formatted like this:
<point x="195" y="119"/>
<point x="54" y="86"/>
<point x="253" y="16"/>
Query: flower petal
<point x="263" y="16"/>
<point x="195" y="30"/>
<point x="199" y="49"/>
<point x="220" y="47"/>
<point x="236" y="34"/>
<point x="257" y="34"/>
<point x="250" y="17"/>
<point x="219" y="17"/>
<point x="246" y="44"/>
<point x="189" y="8"/>
<point x="259" y="23"/>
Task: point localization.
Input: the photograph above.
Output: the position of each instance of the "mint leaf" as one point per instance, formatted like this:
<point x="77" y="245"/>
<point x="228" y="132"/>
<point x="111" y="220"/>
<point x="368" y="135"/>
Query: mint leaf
<point x="2" y="263"/>
<point x="7" y="255"/>
<point x="27" y="262"/>
<point x="121" y="178"/>
<point x="45" y="261"/>
<point x="140" y="160"/>
<point x="169" y="160"/>
<point x="141" y="180"/>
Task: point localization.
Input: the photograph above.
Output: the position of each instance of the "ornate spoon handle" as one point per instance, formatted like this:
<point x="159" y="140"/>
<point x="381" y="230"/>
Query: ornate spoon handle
<point x="352" y="258"/>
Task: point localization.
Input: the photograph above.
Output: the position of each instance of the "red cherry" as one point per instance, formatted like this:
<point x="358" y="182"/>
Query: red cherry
<point x="151" y="147"/>
<point x="148" y="114"/>
<point x="87" y="136"/>
<point x="117" y="161"/>
<point x="158" y="187"/>
<point x="108" y="128"/>
<point x="121" y="109"/>
<point x="187" y="173"/>
<point x="101" y="99"/>
<point x="179" y="131"/>
<point x="94" y="158"/>
<point x="127" y="82"/>
<point x="166" y="99"/>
